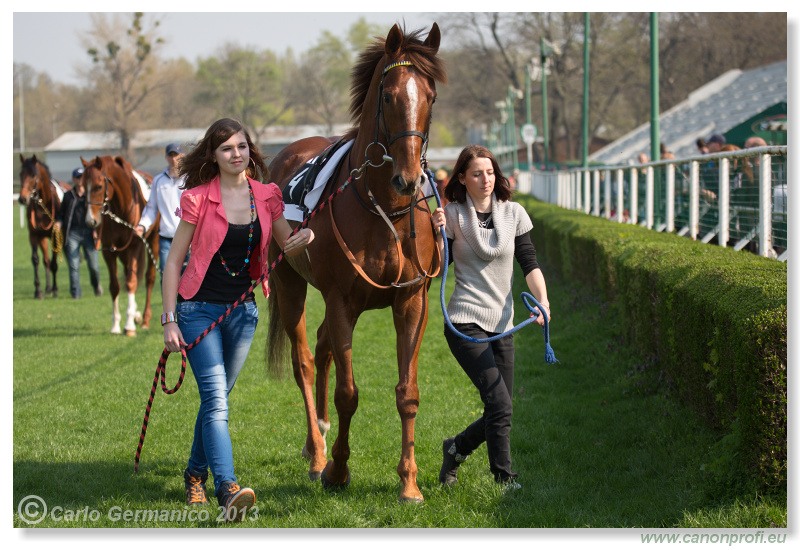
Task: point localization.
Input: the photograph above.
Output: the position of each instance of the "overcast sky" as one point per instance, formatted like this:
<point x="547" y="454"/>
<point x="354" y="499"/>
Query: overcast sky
<point x="50" y="41"/>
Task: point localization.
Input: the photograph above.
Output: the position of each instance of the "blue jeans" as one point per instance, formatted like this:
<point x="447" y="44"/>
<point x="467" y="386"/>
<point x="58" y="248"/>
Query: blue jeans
<point x="164" y="245"/>
<point x="216" y="361"/>
<point x="77" y="238"/>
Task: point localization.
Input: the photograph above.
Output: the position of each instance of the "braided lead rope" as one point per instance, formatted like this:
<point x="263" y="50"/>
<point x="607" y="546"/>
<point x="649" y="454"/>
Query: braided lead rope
<point x="528" y="299"/>
<point x="110" y="214"/>
<point x="161" y="368"/>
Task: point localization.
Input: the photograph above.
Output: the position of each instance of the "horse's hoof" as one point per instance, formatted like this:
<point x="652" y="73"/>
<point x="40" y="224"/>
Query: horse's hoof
<point x="55" y="294"/>
<point x="130" y="333"/>
<point x="137" y="318"/>
<point x="38" y="295"/>
<point x="331" y="485"/>
<point x="411" y="500"/>
<point x="314" y="476"/>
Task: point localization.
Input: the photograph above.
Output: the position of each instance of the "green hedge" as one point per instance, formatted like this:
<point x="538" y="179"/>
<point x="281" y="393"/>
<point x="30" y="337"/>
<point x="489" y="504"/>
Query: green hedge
<point x="714" y="320"/>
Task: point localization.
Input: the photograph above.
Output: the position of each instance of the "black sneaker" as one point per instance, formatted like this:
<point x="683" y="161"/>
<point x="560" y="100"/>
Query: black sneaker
<point x="451" y="460"/>
<point x="195" y="488"/>
<point x="235" y="500"/>
<point x="98" y="291"/>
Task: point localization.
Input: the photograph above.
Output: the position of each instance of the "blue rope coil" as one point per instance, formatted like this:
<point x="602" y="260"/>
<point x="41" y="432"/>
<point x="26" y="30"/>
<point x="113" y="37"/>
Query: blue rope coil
<point x="527" y="298"/>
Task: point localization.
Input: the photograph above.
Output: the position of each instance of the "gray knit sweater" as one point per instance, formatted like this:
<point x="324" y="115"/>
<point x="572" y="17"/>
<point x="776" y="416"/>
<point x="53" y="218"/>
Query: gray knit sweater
<point x="483" y="260"/>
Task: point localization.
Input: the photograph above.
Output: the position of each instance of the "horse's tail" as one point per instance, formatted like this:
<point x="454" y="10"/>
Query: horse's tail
<point x="277" y="341"/>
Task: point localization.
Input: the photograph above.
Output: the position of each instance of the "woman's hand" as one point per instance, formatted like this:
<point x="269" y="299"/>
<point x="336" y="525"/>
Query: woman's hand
<point x="298" y="242"/>
<point x="173" y="339"/>
<point x="540" y="318"/>
<point x="439" y="220"/>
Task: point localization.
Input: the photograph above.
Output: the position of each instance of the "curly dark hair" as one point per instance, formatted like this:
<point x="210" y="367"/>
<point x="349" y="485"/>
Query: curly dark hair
<point x="199" y="167"/>
<point x="455" y="192"/>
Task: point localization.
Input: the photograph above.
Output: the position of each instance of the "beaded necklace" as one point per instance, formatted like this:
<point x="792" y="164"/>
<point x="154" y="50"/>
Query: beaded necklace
<point x="249" y="237"/>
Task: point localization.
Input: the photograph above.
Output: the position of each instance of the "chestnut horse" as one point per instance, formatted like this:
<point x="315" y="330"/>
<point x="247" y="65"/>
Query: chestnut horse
<point x="367" y="253"/>
<point x="115" y="206"/>
<point x="38" y="194"/>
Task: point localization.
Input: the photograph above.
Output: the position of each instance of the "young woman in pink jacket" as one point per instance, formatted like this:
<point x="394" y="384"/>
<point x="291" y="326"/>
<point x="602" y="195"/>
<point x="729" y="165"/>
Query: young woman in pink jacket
<point x="228" y="217"/>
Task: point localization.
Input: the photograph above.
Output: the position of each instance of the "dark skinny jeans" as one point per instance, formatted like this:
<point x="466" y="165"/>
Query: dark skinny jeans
<point x="490" y="367"/>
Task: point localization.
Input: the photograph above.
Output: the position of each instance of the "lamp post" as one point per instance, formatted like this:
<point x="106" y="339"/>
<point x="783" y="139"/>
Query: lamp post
<point x="513" y="94"/>
<point x="546" y="50"/>
<point x="503" y="129"/>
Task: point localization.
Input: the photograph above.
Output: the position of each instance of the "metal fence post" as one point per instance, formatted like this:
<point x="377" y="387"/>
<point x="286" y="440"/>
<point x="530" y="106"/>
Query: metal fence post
<point x="765" y="207"/>
<point x="634" y="214"/>
<point x="694" y="200"/>
<point x="670" y="198"/>
<point x="649" y="198"/>
<point x="596" y="185"/>
<point x="723" y="202"/>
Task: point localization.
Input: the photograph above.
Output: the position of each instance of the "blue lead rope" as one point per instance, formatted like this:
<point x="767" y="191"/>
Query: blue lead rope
<point x="528" y="299"/>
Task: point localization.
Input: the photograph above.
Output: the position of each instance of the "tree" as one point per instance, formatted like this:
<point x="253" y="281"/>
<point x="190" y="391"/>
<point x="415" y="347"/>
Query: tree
<point x="123" y="73"/>
<point x="245" y="84"/>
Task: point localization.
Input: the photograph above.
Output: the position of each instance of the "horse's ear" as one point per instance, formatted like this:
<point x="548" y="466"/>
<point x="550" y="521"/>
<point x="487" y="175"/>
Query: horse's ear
<point x="393" y="41"/>
<point x="21" y="158"/>
<point x="434" y="38"/>
<point x="98" y="163"/>
<point x="85" y="163"/>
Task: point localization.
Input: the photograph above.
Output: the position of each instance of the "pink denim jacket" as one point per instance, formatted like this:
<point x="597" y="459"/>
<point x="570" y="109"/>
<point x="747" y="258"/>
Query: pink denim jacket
<point x="202" y="207"/>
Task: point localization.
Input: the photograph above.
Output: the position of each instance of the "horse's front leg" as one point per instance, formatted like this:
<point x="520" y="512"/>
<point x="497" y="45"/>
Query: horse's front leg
<point x="410" y="312"/>
<point x="150" y="281"/>
<point x="44" y="244"/>
<point x="345" y="397"/>
<point x="131" y="282"/>
<point x="322" y="361"/>
<point x="37" y="289"/>
<point x="113" y="290"/>
<point x="54" y="271"/>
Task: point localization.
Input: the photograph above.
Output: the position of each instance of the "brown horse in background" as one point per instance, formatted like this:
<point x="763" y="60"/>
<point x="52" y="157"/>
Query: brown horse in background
<point x="367" y="253"/>
<point x="116" y="202"/>
<point x="38" y="194"/>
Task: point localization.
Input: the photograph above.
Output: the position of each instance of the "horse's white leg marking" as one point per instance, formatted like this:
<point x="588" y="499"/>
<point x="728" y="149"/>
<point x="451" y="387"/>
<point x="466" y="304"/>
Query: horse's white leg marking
<point x="130" y="324"/>
<point x="324" y="427"/>
<point x="115" y="317"/>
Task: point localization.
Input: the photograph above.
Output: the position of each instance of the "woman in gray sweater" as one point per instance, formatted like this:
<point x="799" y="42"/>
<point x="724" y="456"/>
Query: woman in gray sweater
<point x="485" y="232"/>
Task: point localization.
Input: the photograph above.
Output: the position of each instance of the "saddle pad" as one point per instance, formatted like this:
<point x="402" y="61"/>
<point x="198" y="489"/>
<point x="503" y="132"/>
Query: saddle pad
<point x="57" y="188"/>
<point x="142" y="185"/>
<point x="297" y="196"/>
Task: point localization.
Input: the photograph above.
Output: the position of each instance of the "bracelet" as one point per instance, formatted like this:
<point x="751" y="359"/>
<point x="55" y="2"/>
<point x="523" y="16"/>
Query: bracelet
<point x="168" y="317"/>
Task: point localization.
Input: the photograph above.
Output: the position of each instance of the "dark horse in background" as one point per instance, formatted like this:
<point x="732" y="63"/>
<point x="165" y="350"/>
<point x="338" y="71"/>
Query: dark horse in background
<point x="367" y="253"/>
<point x="116" y="202"/>
<point x="38" y="193"/>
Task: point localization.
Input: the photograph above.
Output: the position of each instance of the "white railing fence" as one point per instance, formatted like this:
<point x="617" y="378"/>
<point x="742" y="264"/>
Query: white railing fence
<point x="735" y="199"/>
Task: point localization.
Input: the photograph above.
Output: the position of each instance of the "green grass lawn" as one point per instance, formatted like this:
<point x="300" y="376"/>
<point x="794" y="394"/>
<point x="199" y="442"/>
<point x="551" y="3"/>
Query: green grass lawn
<point x="597" y="439"/>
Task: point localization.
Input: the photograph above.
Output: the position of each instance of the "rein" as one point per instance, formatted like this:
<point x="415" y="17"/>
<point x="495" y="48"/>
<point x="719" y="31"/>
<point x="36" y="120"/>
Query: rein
<point x="58" y="239"/>
<point x="161" y="368"/>
<point x="105" y="210"/>
<point x="527" y="298"/>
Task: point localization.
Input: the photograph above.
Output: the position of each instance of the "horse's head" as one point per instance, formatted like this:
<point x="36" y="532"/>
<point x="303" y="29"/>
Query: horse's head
<point x="32" y="177"/>
<point x="98" y="191"/>
<point x="404" y="72"/>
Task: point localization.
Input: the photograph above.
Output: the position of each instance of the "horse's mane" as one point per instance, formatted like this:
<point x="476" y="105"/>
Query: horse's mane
<point x="30" y="164"/>
<point x="412" y="49"/>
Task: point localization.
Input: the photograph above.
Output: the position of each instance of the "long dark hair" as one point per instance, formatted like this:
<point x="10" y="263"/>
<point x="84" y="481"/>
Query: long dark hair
<point x="455" y="192"/>
<point x="199" y="167"/>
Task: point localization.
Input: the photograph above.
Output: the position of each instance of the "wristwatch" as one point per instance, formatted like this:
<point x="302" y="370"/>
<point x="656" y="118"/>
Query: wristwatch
<point x="168" y="317"/>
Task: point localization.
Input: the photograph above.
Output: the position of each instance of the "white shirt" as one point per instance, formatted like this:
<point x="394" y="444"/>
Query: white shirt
<point x="165" y="198"/>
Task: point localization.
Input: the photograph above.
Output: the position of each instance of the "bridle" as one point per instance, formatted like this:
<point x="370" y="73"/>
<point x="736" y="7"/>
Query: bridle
<point x="105" y="210"/>
<point x="380" y="118"/>
<point x="35" y="198"/>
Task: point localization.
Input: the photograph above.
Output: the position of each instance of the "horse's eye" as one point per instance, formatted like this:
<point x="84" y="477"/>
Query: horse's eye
<point x="387" y="98"/>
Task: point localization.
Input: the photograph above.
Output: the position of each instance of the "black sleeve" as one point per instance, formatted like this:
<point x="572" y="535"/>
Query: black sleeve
<point x="525" y="253"/>
<point x="450" y="251"/>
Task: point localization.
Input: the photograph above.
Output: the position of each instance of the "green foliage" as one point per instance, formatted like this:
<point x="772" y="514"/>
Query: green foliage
<point x="715" y="321"/>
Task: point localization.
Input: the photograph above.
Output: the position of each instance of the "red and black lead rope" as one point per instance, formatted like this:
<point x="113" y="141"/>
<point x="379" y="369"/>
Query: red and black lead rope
<point x="161" y="368"/>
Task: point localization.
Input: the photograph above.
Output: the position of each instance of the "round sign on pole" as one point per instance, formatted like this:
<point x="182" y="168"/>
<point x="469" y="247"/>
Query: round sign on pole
<point x="529" y="133"/>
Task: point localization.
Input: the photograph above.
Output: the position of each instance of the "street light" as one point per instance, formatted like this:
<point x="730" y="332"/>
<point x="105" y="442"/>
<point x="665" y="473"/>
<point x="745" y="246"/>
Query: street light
<point x="546" y="50"/>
